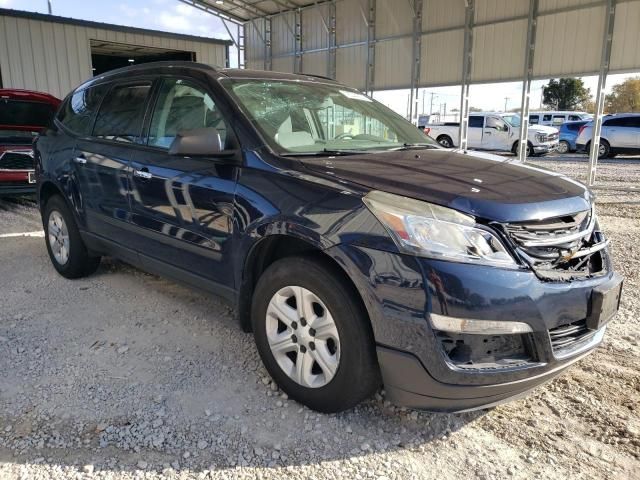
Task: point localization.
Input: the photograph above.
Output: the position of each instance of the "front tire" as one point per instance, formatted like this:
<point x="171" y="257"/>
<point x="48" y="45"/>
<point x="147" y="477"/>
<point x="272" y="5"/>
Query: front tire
<point x="514" y="149"/>
<point x="313" y="335"/>
<point x="67" y="251"/>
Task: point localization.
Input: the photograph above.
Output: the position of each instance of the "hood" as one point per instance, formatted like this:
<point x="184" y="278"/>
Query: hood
<point x="488" y="189"/>
<point x="543" y="129"/>
<point x="486" y="155"/>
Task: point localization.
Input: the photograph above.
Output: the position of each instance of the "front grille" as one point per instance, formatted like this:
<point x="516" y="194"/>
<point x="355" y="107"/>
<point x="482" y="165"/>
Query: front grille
<point x="13" y="160"/>
<point x="559" y="248"/>
<point x="570" y="336"/>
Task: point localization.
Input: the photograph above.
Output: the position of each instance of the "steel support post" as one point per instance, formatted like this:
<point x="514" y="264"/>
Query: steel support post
<point x="605" y="58"/>
<point x="297" y="63"/>
<point x="267" y="44"/>
<point x="416" y="49"/>
<point x="467" y="62"/>
<point x="331" y="31"/>
<point x="240" y="45"/>
<point x="371" y="48"/>
<point x="530" y="49"/>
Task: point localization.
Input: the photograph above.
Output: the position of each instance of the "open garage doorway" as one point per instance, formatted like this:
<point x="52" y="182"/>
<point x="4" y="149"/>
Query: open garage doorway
<point x="107" y="56"/>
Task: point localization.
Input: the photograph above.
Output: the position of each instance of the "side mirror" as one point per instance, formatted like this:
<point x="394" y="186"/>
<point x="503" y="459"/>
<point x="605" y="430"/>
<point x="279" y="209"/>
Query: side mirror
<point x="197" y="142"/>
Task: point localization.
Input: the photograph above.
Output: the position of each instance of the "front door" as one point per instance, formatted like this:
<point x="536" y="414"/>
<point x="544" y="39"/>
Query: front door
<point x="496" y="134"/>
<point x="182" y="207"/>
<point x="102" y="161"/>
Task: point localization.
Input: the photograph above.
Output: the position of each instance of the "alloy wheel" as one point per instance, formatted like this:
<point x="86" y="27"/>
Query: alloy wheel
<point x="563" y="147"/>
<point x="303" y="336"/>
<point x="58" y="237"/>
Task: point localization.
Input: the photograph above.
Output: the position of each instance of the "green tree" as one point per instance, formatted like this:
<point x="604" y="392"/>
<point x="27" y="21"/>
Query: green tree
<point x="624" y="97"/>
<point x="566" y="94"/>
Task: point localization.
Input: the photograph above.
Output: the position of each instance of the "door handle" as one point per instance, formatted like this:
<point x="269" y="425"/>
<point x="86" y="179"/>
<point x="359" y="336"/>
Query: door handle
<point x="143" y="173"/>
<point x="487" y="133"/>
<point x="81" y="160"/>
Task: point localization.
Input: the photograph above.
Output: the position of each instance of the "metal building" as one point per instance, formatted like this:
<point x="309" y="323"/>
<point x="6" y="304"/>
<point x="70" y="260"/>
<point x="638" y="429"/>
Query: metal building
<point x="55" y="54"/>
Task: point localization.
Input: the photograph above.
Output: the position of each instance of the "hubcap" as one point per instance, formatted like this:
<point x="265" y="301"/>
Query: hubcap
<point x="563" y="147"/>
<point x="445" y="143"/>
<point x="602" y="150"/>
<point x="303" y="336"/>
<point x="58" y="236"/>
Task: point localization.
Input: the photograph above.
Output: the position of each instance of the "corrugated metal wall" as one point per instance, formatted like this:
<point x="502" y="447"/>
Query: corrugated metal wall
<point x="55" y="57"/>
<point x="568" y="42"/>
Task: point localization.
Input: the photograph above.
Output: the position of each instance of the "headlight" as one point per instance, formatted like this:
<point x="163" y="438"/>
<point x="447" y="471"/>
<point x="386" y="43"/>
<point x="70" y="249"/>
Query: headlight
<point x="424" y="229"/>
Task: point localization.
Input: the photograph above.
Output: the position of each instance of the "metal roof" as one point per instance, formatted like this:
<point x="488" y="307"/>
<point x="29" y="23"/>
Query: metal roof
<point x="5" y="12"/>
<point x="245" y="10"/>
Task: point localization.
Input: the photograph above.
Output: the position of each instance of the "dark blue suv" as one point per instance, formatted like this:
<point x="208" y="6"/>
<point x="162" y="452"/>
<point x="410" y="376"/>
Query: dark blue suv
<point x="357" y="251"/>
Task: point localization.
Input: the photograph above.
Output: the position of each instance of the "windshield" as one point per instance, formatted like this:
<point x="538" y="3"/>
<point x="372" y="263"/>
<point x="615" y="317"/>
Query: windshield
<point x="309" y="117"/>
<point x="513" y="119"/>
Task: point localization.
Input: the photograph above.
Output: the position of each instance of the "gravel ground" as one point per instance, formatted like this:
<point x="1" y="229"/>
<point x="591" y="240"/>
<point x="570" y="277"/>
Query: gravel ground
<point x="127" y="375"/>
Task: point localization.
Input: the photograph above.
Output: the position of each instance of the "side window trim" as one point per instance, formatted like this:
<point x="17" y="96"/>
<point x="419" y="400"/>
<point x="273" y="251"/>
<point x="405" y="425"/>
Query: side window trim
<point x="94" y="115"/>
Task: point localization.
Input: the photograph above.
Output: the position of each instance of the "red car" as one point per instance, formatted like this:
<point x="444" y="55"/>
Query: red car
<point x="23" y="114"/>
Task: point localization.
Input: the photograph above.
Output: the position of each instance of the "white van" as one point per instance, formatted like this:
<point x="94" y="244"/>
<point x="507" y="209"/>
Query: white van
<point x="556" y="118"/>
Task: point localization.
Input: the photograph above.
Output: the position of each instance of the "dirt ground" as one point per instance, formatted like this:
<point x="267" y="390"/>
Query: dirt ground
<point x="127" y="375"/>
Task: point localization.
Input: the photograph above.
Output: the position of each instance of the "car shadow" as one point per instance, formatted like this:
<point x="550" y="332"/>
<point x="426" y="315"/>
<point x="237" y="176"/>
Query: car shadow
<point x="123" y="388"/>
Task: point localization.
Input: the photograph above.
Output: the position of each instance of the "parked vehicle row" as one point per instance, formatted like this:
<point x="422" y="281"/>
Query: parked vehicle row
<point x="357" y="252"/>
<point x="495" y="131"/>
<point x="22" y="114"/>
<point x="499" y="131"/>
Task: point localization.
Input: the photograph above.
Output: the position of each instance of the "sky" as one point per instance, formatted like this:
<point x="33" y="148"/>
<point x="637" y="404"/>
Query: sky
<point x="165" y="15"/>
<point x="174" y="16"/>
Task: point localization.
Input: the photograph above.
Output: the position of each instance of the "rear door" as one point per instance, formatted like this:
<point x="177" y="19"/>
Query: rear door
<point x="476" y="124"/>
<point x="620" y="132"/>
<point x="102" y="160"/>
<point x="182" y="206"/>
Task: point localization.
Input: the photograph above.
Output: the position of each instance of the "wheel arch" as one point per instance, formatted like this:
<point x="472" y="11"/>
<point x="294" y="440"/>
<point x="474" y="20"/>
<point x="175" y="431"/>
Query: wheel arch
<point x="275" y="247"/>
<point x="47" y="190"/>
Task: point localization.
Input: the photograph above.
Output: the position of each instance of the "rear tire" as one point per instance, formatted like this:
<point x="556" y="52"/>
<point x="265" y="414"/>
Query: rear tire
<point x="563" y="147"/>
<point x="445" y="141"/>
<point x="603" y="152"/>
<point x="327" y="362"/>
<point x="67" y="251"/>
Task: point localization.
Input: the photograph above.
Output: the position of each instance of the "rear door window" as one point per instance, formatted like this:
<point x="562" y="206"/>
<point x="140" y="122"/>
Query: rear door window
<point x="79" y="110"/>
<point x="546" y="118"/>
<point x="534" y="119"/>
<point x="617" y="122"/>
<point x="121" y="113"/>
<point x="476" y="121"/>
<point x="558" y="119"/>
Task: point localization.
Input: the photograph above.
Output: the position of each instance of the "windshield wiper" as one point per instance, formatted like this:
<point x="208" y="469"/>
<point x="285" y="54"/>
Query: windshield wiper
<point x="324" y="153"/>
<point x="414" y="146"/>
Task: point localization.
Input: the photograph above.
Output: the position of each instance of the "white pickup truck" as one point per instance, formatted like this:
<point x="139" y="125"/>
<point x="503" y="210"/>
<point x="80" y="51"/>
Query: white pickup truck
<point x="495" y="131"/>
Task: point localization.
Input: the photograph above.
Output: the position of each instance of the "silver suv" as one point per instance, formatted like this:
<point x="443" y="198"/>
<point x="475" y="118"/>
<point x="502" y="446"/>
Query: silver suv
<point x="620" y="134"/>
